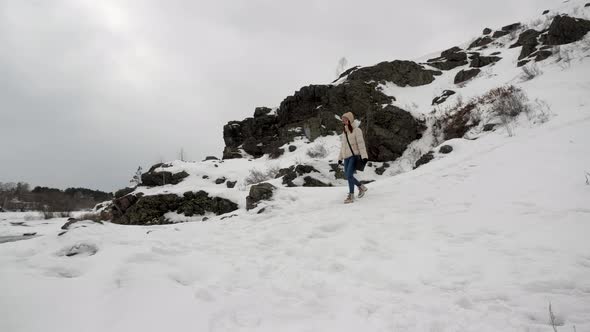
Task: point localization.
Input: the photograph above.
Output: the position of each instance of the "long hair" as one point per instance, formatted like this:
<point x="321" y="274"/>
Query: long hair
<point x="349" y="126"/>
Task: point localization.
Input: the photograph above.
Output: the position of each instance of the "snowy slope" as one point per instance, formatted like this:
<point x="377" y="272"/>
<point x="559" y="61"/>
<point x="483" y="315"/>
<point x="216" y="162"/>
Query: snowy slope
<point x="482" y="239"/>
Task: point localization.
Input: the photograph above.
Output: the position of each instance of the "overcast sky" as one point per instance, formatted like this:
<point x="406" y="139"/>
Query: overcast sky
<point x="89" y="90"/>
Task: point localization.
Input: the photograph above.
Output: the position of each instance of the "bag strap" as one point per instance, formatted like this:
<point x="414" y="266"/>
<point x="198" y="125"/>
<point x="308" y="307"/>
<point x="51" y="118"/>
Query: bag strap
<point x="350" y="146"/>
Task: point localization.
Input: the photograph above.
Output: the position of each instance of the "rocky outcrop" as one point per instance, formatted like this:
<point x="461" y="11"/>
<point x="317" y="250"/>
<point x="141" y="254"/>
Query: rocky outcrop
<point x="309" y="181"/>
<point x="487" y="31"/>
<point x="259" y="192"/>
<point x="449" y="59"/>
<point x="443" y="97"/>
<point x="528" y="41"/>
<point x="466" y="75"/>
<point x="401" y="73"/>
<point x="478" y="61"/>
<point x="314" y="110"/>
<point x="153" y="178"/>
<point x="150" y="210"/>
<point x="565" y="29"/>
<point x="481" y="41"/>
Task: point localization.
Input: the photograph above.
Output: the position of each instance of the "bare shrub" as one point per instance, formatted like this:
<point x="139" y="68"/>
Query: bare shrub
<point x="318" y="151"/>
<point x="530" y="71"/>
<point x="541" y="112"/>
<point x="563" y="56"/>
<point x="257" y="176"/>
<point x="510" y="103"/>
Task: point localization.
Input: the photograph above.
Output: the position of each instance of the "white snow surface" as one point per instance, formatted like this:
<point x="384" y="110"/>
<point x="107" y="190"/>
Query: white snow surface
<point x="481" y="239"/>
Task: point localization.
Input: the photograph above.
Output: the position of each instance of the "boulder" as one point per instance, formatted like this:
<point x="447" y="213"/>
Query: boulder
<point x="489" y="126"/>
<point x="481" y="41"/>
<point x="152" y="178"/>
<point x="487" y="31"/>
<point x="528" y="41"/>
<point x="292" y="148"/>
<point x="478" y="61"/>
<point x="545" y="12"/>
<point x="260" y="111"/>
<point x="512" y="27"/>
<point x="308" y="181"/>
<point x="220" y="180"/>
<point x="211" y="158"/>
<point x="150" y="210"/>
<point x="445" y="149"/>
<point x="425" y="159"/>
<point x="259" y="192"/>
<point x="449" y="59"/>
<point x="443" y="97"/>
<point x="565" y="30"/>
<point x="231" y="153"/>
<point x="466" y="75"/>
<point x="122" y="192"/>
<point x="500" y="33"/>
<point x="231" y="184"/>
<point x="401" y="73"/>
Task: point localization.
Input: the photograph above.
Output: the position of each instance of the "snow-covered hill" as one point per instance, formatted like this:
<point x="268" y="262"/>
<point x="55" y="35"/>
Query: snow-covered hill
<point x="481" y="239"/>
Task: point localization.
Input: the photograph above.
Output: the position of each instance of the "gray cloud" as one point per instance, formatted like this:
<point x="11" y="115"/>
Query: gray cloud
<point x="91" y="90"/>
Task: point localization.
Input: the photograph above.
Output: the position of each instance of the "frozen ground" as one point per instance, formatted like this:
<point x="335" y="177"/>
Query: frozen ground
<point x="482" y="239"/>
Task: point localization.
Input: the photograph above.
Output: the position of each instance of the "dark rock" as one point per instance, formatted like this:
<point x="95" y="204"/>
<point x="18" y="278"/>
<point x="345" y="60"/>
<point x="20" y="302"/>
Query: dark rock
<point x="30" y="234"/>
<point x="231" y="153"/>
<point x="291" y="173"/>
<point x="205" y="177"/>
<point x="72" y="221"/>
<point x="122" y="192"/>
<point x="153" y="178"/>
<point x="466" y="75"/>
<point x="478" y="61"/>
<point x="220" y="180"/>
<point x="500" y="33"/>
<point x="260" y="111"/>
<point x="528" y="41"/>
<point x="276" y="153"/>
<point x="211" y="158"/>
<point x="261" y="210"/>
<point x="487" y="31"/>
<point x="511" y="27"/>
<point x="380" y="170"/>
<point x="449" y="59"/>
<point x="150" y="210"/>
<point x="496" y="53"/>
<point x="386" y="165"/>
<point x="205" y="219"/>
<point x="338" y="171"/>
<point x="445" y="149"/>
<point x="231" y="184"/>
<point x="62" y="233"/>
<point x="401" y="73"/>
<point x="545" y="12"/>
<point x="543" y="55"/>
<point x="292" y="148"/>
<point x="259" y="192"/>
<point x="587" y="5"/>
<point x="346" y="73"/>
<point x="443" y="97"/>
<point x="308" y="181"/>
<point x="565" y="29"/>
<point x="523" y="62"/>
<point x="489" y="126"/>
<point x="425" y="159"/>
<point x="479" y="42"/>
<point x="230" y="216"/>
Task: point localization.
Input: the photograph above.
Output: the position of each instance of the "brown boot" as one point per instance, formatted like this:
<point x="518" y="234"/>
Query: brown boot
<point x="349" y="199"/>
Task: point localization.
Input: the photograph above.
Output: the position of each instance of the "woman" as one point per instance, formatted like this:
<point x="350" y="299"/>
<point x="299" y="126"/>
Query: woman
<point x="354" y="136"/>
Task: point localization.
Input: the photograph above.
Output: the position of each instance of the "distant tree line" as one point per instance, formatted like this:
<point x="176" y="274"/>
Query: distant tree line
<point x="19" y="197"/>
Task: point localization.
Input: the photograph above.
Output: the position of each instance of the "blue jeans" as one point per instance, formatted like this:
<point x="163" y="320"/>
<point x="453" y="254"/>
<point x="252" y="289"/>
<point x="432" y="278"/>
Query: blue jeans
<point x="349" y="170"/>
